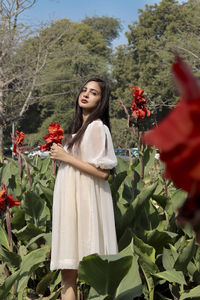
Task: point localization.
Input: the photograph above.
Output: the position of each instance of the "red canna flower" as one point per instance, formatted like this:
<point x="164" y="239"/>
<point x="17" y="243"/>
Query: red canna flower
<point x="18" y="140"/>
<point x="138" y="104"/>
<point x="177" y="137"/>
<point x="7" y="200"/>
<point x="55" y="136"/>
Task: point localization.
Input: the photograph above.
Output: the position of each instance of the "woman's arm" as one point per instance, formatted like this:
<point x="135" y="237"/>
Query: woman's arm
<point x="57" y="152"/>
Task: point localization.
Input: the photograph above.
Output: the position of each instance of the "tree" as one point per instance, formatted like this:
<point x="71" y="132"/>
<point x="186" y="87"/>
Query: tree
<point x="23" y="55"/>
<point x="162" y="29"/>
<point x="108" y="27"/>
<point x="81" y="53"/>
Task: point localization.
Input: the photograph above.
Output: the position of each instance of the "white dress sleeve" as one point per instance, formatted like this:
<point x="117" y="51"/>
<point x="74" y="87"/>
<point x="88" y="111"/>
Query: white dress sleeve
<point x="98" y="146"/>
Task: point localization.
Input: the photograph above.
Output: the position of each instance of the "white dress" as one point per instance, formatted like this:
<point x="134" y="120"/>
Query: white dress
<point x="83" y="218"/>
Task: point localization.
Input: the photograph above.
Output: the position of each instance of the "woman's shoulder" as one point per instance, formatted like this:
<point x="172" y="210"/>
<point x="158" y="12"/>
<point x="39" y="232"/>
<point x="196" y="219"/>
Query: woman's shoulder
<point x="97" y="128"/>
<point x="98" y="124"/>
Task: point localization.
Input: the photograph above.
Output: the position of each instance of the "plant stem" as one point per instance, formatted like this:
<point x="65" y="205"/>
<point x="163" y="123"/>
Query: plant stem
<point x="128" y="117"/>
<point x="8" y="225"/>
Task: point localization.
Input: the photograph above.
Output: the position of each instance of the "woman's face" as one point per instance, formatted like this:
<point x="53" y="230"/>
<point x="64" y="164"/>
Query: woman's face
<point x="90" y="96"/>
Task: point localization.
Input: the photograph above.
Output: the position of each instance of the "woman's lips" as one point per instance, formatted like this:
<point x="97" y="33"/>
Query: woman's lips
<point x="84" y="101"/>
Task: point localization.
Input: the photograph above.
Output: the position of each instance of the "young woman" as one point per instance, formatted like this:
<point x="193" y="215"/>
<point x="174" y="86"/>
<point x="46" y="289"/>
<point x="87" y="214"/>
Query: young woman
<point x="83" y="218"/>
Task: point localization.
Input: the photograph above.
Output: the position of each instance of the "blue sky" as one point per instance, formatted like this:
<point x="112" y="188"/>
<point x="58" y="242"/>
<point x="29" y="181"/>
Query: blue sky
<point x="76" y="10"/>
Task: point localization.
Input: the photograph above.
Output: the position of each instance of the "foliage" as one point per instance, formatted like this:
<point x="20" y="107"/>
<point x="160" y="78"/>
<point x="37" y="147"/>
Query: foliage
<point x="145" y="62"/>
<point x="28" y="264"/>
<point x="157" y="260"/>
<point x="160" y="260"/>
<point x="108" y="27"/>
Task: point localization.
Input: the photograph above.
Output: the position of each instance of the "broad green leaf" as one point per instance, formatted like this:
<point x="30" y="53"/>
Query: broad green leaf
<point x="27" y="233"/>
<point x="149" y="160"/>
<point x="9" y="170"/>
<point x="160" y="199"/>
<point x="33" y="206"/>
<point x="12" y="259"/>
<point x="146" y="261"/>
<point x="117" y="181"/>
<point x="176" y="201"/>
<point x="159" y="239"/>
<point x="29" y="263"/>
<point x="48" y="193"/>
<point x="33" y="258"/>
<point x="172" y="276"/>
<point x="131" y="285"/>
<point x="185" y="256"/>
<point x="192" y="294"/>
<point x="44" y="235"/>
<point x="168" y="260"/>
<point x="6" y="287"/>
<point x="95" y="296"/>
<point x="44" y="283"/>
<point x="136" y="208"/>
<point x="193" y="271"/>
<point x="125" y="239"/>
<point x="104" y="273"/>
<point x="55" y="295"/>
<point x="18" y="219"/>
<point x="4" y="238"/>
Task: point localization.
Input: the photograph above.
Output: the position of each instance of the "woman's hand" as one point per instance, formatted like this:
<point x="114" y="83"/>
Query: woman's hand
<point x="57" y="152"/>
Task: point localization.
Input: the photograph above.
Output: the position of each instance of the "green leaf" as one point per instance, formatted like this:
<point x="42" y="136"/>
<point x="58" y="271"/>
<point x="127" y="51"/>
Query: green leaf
<point x="27" y="232"/>
<point x="4" y="238"/>
<point x="185" y="256"/>
<point x="44" y="283"/>
<point x="29" y="263"/>
<point x="9" y="170"/>
<point x="6" y="287"/>
<point x="131" y="285"/>
<point x="159" y="239"/>
<point x="55" y="295"/>
<point x="146" y="261"/>
<point x="12" y="259"/>
<point x="95" y="296"/>
<point x="48" y="193"/>
<point x="44" y="235"/>
<point x="18" y="219"/>
<point x="136" y="208"/>
<point x="33" y="206"/>
<point x="193" y="293"/>
<point x="160" y="199"/>
<point x="117" y="181"/>
<point x="168" y="259"/>
<point x="104" y="273"/>
<point x="172" y="276"/>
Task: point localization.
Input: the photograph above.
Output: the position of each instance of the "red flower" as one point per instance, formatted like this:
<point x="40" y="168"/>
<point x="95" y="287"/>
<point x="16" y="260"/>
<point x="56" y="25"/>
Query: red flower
<point x="7" y="200"/>
<point x="18" y="140"/>
<point x="177" y="136"/>
<point x="138" y="104"/>
<point x="55" y="136"/>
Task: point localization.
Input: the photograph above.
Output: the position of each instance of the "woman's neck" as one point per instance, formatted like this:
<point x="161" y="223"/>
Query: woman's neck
<point x="85" y="115"/>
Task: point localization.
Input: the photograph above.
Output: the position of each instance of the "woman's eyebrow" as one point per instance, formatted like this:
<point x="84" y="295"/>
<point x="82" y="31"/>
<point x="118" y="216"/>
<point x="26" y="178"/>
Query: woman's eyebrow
<point x="94" y="90"/>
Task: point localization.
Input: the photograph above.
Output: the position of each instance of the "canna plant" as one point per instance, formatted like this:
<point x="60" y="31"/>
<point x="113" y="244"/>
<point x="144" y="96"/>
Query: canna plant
<point x="157" y="259"/>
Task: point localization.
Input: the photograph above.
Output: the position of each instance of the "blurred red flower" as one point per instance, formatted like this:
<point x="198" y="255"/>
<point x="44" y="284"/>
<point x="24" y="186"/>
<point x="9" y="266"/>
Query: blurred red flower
<point x="18" y="140"/>
<point x="138" y="104"/>
<point x="177" y="136"/>
<point x="178" y="139"/>
<point x="55" y="135"/>
<point x="7" y="200"/>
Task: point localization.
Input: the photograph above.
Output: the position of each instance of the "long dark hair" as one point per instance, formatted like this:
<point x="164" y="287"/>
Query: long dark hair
<point x="100" y="112"/>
